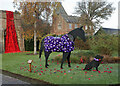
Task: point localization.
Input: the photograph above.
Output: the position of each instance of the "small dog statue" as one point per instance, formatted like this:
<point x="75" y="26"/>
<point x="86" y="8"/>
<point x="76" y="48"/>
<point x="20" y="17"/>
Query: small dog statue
<point x="94" y="63"/>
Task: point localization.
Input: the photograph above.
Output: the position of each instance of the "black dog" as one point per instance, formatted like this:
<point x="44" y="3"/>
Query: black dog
<point x="95" y="63"/>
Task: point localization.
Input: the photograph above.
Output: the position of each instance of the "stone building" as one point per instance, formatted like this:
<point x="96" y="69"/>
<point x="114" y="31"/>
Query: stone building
<point x="64" y="23"/>
<point x="18" y="29"/>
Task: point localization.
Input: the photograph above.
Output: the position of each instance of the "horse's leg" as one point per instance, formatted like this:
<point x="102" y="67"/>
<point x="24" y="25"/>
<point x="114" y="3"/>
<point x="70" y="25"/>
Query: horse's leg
<point x="68" y="59"/>
<point x="46" y="58"/>
<point x="65" y="55"/>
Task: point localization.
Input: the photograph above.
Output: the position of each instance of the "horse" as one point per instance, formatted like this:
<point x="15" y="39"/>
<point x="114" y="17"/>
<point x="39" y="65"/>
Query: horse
<point x="64" y="44"/>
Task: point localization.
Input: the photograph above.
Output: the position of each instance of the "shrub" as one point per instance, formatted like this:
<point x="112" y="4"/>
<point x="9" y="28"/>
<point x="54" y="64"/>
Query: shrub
<point x="79" y="44"/>
<point x="76" y="56"/>
<point x="104" y="44"/>
<point x="29" y="45"/>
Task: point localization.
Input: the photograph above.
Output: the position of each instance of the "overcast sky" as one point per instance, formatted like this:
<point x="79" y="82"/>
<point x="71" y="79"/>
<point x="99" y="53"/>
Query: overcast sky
<point x="69" y="6"/>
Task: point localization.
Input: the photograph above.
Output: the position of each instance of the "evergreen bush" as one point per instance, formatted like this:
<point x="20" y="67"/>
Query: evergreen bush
<point x="104" y="44"/>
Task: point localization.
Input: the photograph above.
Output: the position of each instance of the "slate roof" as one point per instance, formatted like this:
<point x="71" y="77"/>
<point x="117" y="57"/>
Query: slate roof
<point x="72" y="19"/>
<point x="110" y="31"/>
<point x="69" y="19"/>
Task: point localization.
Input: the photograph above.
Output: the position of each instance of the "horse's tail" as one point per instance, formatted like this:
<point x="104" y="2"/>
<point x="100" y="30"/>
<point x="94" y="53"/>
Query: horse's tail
<point x="41" y="48"/>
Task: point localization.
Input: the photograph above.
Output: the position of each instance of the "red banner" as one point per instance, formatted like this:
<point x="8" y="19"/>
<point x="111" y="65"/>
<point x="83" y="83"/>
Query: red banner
<point x="11" y="44"/>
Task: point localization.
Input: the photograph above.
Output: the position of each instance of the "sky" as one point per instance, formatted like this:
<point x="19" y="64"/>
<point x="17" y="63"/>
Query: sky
<point x="69" y="6"/>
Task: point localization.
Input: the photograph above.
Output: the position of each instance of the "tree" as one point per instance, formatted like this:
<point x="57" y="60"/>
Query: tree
<point x="92" y="13"/>
<point x="36" y="18"/>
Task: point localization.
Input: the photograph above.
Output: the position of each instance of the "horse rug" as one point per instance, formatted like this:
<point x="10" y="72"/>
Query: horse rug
<point x="57" y="44"/>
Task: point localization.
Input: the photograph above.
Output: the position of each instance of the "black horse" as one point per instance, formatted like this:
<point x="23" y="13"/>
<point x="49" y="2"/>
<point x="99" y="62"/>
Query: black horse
<point x="72" y="35"/>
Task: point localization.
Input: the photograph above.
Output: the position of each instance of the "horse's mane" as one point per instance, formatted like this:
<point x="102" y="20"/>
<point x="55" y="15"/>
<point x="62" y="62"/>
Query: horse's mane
<point x="75" y="32"/>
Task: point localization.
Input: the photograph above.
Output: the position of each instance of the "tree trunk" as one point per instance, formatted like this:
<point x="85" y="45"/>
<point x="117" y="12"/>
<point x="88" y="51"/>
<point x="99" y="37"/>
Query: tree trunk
<point x="35" y="39"/>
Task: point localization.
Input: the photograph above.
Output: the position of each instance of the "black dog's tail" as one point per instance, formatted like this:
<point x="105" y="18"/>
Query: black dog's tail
<point x="41" y="48"/>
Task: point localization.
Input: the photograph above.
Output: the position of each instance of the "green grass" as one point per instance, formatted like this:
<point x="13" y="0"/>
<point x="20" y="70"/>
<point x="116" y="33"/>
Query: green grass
<point x="14" y="61"/>
<point x="0" y="61"/>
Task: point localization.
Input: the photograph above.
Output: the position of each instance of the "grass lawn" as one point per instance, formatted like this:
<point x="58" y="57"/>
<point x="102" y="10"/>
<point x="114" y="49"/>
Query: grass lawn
<point x="17" y="63"/>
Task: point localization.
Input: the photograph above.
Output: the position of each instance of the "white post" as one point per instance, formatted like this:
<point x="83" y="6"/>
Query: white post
<point x="1" y="33"/>
<point x="119" y="15"/>
<point x="1" y="42"/>
<point x="35" y="39"/>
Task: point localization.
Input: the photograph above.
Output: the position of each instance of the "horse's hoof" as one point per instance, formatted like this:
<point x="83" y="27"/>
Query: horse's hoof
<point x="46" y="66"/>
<point x="61" y="67"/>
<point x="69" y="65"/>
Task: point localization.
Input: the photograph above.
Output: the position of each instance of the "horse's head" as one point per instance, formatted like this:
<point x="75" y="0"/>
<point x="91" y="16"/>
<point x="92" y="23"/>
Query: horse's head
<point x="78" y="32"/>
<point x="81" y="33"/>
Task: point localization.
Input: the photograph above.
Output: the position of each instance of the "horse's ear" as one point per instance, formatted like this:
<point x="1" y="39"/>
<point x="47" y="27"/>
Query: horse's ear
<point x="81" y="27"/>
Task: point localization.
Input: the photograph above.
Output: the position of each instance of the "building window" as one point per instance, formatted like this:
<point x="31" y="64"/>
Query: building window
<point x="59" y="25"/>
<point x="80" y="25"/>
<point x="86" y="28"/>
<point x="70" y="26"/>
<point x="90" y="27"/>
<point x="76" y="26"/>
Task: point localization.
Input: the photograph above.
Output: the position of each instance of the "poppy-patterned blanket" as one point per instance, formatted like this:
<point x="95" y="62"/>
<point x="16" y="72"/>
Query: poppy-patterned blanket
<point x="56" y="44"/>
